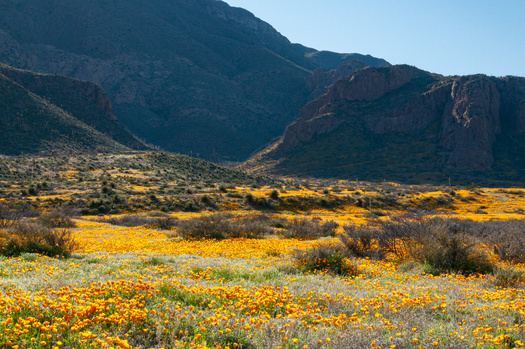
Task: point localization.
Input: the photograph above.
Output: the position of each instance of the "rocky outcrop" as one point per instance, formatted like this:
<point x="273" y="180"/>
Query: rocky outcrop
<point x="471" y="121"/>
<point x="321" y="81"/>
<point x="327" y="60"/>
<point x="455" y="120"/>
<point x="365" y="85"/>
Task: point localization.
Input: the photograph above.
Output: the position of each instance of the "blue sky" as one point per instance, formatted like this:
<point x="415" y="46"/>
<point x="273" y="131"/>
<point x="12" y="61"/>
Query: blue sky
<point x="449" y="37"/>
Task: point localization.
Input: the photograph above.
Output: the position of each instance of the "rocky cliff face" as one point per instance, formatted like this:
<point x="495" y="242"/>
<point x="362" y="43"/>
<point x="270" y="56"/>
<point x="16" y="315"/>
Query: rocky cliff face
<point x="321" y="81"/>
<point x="453" y="122"/>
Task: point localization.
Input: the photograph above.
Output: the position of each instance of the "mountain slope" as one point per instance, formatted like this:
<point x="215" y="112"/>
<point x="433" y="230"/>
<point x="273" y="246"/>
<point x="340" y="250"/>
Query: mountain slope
<point x="85" y="100"/>
<point x="32" y="124"/>
<point x="403" y="123"/>
<point x="194" y="76"/>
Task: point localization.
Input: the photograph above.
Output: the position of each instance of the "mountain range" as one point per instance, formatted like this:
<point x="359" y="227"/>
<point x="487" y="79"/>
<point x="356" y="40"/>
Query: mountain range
<point x="199" y="77"/>
<point x="191" y="76"/>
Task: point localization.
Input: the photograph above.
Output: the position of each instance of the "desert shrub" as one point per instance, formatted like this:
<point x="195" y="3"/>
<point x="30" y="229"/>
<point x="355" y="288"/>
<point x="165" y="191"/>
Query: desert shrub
<point x="34" y="238"/>
<point x="55" y="219"/>
<point x="508" y="277"/>
<point x="69" y="211"/>
<point x="234" y="195"/>
<point x="446" y="249"/>
<point x="322" y="202"/>
<point x="165" y="223"/>
<point x="274" y="195"/>
<point x="255" y="226"/>
<point x="215" y="226"/>
<point x="310" y="229"/>
<point x="249" y="198"/>
<point x="189" y="206"/>
<point x="10" y="216"/>
<point x="443" y="245"/>
<point x="361" y="241"/>
<point x="159" y="222"/>
<point x="224" y="226"/>
<point x="328" y="228"/>
<point x="507" y="239"/>
<point x="324" y="258"/>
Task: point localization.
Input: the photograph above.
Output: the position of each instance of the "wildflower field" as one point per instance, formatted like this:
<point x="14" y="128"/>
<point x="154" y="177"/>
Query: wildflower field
<point x="148" y="285"/>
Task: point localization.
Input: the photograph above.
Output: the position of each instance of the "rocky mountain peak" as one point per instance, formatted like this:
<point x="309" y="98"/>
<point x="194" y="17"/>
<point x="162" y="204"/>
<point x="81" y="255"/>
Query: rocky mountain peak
<point x="454" y="123"/>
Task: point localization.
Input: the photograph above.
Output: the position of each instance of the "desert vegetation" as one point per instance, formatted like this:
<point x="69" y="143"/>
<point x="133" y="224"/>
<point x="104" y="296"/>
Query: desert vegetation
<point x="260" y="263"/>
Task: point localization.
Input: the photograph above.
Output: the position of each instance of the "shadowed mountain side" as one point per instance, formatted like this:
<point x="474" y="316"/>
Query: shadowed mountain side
<point x="196" y="76"/>
<point x="31" y="124"/>
<point x="85" y="100"/>
<point x="403" y="123"/>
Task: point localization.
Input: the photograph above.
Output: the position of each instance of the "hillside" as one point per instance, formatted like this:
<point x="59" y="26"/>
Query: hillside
<point x="402" y="123"/>
<point x="196" y="77"/>
<point x="30" y="123"/>
<point x="84" y="100"/>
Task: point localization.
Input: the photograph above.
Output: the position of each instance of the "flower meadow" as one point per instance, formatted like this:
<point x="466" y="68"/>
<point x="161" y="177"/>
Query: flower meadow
<point x="144" y="287"/>
<point x="138" y="287"/>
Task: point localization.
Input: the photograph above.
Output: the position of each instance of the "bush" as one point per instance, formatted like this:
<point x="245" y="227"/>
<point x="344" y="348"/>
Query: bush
<point x="310" y="229"/>
<point x="220" y="226"/>
<point x="161" y="222"/>
<point x="444" y="245"/>
<point x="189" y="206"/>
<point x="256" y="225"/>
<point x="34" y="238"/>
<point x="361" y="241"/>
<point x="446" y="249"/>
<point x="507" y="238"/>
<point x="215" y="226"/>
<point x="508" y="277"/>
<point x="10" y="216"/>
<point x="274" y="195"/>
<point x="55" y="219"/>
<point x="324" y="258"/>
<point x="323" y="202"/>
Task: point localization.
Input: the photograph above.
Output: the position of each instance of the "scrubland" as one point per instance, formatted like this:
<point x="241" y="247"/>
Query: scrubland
<point x="191" y="261"/>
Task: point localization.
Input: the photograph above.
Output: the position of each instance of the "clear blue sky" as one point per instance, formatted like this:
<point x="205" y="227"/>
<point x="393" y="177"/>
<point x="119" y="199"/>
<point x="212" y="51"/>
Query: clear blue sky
<point x="449" y="37"/>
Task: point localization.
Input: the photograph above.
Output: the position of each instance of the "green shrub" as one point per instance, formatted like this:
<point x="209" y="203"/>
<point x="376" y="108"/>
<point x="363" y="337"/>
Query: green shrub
<point x="508" y="277"/>
<point x="234" y="195"/>
<point x="249" y="198"/>
<point x="189" y="206"/>
<point x="323" y="202"/>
